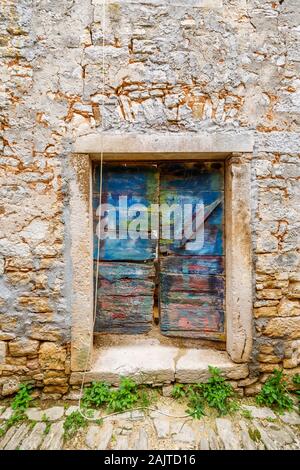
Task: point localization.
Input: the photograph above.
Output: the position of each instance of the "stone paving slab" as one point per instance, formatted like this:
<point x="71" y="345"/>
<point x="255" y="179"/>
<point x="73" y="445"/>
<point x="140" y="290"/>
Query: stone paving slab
<point x="247" y="442"/>
<point x="228" y="436"/>
<point x="7" y="437"/>
<point x="54" y="439"/>
<point x="17" y="437"/>
<point x="291" y="417"/>
<point x="262" y="413"/>
<point x="35" y="438"/>
<point x="7" y="413"/>
<point x="162" y="427"/>
<point x="99" y="440"/>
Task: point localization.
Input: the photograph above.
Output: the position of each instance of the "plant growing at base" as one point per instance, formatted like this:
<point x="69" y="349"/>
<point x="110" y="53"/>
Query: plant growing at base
<point x="116" y="400"/>
<point x="125" y="397"/>
<point x="46" y="420"/>
<point x="19" y="404"/>
<point x="195" y="404"/>
<point x="73" y="423"/>
<point x="23" y="398"/>
<point x="274" y="392"/>
<point x="179" y="391"/>
<point x="296" y="382"/>
<point x="96" y="395"/>
<point x="216" y="393"/>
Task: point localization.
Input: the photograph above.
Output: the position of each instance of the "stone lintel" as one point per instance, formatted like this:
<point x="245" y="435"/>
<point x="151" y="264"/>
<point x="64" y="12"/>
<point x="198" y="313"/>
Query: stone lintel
<point x="131" y="143"/>
<point x="211" y="4"/>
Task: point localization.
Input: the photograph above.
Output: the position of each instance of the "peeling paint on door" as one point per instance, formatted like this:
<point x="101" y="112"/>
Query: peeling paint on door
<point x="190" y="280"/>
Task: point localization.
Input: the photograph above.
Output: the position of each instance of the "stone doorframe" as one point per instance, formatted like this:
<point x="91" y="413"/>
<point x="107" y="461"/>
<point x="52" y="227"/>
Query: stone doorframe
<point x="236" y="150"/>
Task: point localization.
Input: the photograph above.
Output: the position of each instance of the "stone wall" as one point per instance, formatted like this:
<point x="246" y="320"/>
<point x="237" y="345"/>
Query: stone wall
<point x="188" y="66"/>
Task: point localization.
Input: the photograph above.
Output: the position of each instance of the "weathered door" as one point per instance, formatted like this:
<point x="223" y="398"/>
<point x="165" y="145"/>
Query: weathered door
<point x="126" y="279"/>
<point x="190" y="277"/>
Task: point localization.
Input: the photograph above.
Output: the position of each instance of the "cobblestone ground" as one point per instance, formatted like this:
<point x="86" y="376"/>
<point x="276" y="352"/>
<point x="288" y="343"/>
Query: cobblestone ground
<point x="255" y="428"/>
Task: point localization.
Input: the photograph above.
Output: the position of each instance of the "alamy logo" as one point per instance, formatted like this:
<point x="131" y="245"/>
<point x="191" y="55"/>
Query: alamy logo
<point x="168" y="222"/>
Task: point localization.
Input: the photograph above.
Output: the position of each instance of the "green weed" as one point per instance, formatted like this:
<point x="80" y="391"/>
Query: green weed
<point x="247" y="414"/>
<point x="296" y="382"/>
<point x="45" y="420"/>
<point x="73" y="423"/>
<point x="96" y="395"/>
<point x="23" y="398"/>
<point x="195" y="404"/>
<point x="274" y="393"/>
<point x="179" y="391"/>
<point x="19" y="404"/>
<point x="126" y="396"/>
<point x="254" y="434"/>
<point x="217" y="392"/>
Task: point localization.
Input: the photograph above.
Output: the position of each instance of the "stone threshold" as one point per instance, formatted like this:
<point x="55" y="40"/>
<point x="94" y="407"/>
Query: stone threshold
<point x="150" y="361"/>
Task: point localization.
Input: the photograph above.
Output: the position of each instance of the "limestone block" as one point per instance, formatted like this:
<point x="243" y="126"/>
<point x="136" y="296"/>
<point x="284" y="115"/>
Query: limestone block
<point x="35" y="304"/>
<point x="60" y="389"/>
<point x="248" y="381"/>
<point x="2" y="264"/>
<point x="266" y="349"/>
<point x="268" y="368"/>
<point x="4" y="336"/>
<point x="35" y="414"/>
<point x="288" y="308"/>
<point x="269" y="358"/>
<point x="228" y="436"/>
<point x="162" y="427"/>
<point x="35" y="438"/>
<point x="18" y="436"/>
<point x="10" y="386"/>
<point x="253" y="389"/>
<point x="294" y="291"/>
<point x="271" y="294"/>
<point x="17" y="361"/>
<point x="98" y="438"/>
<point x="32" y="364"/>
<point x="52" y="356"/>
<point x="23" y="347"/>
<point x="3" y="348"/>
<point x="54" y="413"/>
<point x="290" y="363"/>
<point x="142" y="440"/>
<point x="283" y="328"/>
<point x="261" y="413"/>
<point x="192" y="367"/>
<point x="291" y="417"/>
<point x="55" y="381"/>
<point x="44" y="332"/>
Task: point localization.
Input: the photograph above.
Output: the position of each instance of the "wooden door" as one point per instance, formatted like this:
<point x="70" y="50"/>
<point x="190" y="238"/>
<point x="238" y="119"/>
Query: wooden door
<point x="126" y="278"/>
<point x="192" y="281"/>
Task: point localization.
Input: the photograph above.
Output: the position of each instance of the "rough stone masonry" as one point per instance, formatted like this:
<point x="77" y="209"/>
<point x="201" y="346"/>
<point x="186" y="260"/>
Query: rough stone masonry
<point x="188" y="66"/>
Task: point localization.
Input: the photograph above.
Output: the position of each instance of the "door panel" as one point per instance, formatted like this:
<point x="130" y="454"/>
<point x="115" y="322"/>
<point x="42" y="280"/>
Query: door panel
<point x="139" y="184"/>
<point x="125" y="298"/>
<point x="192" y="281"/>
<point x="126" y="271"/>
